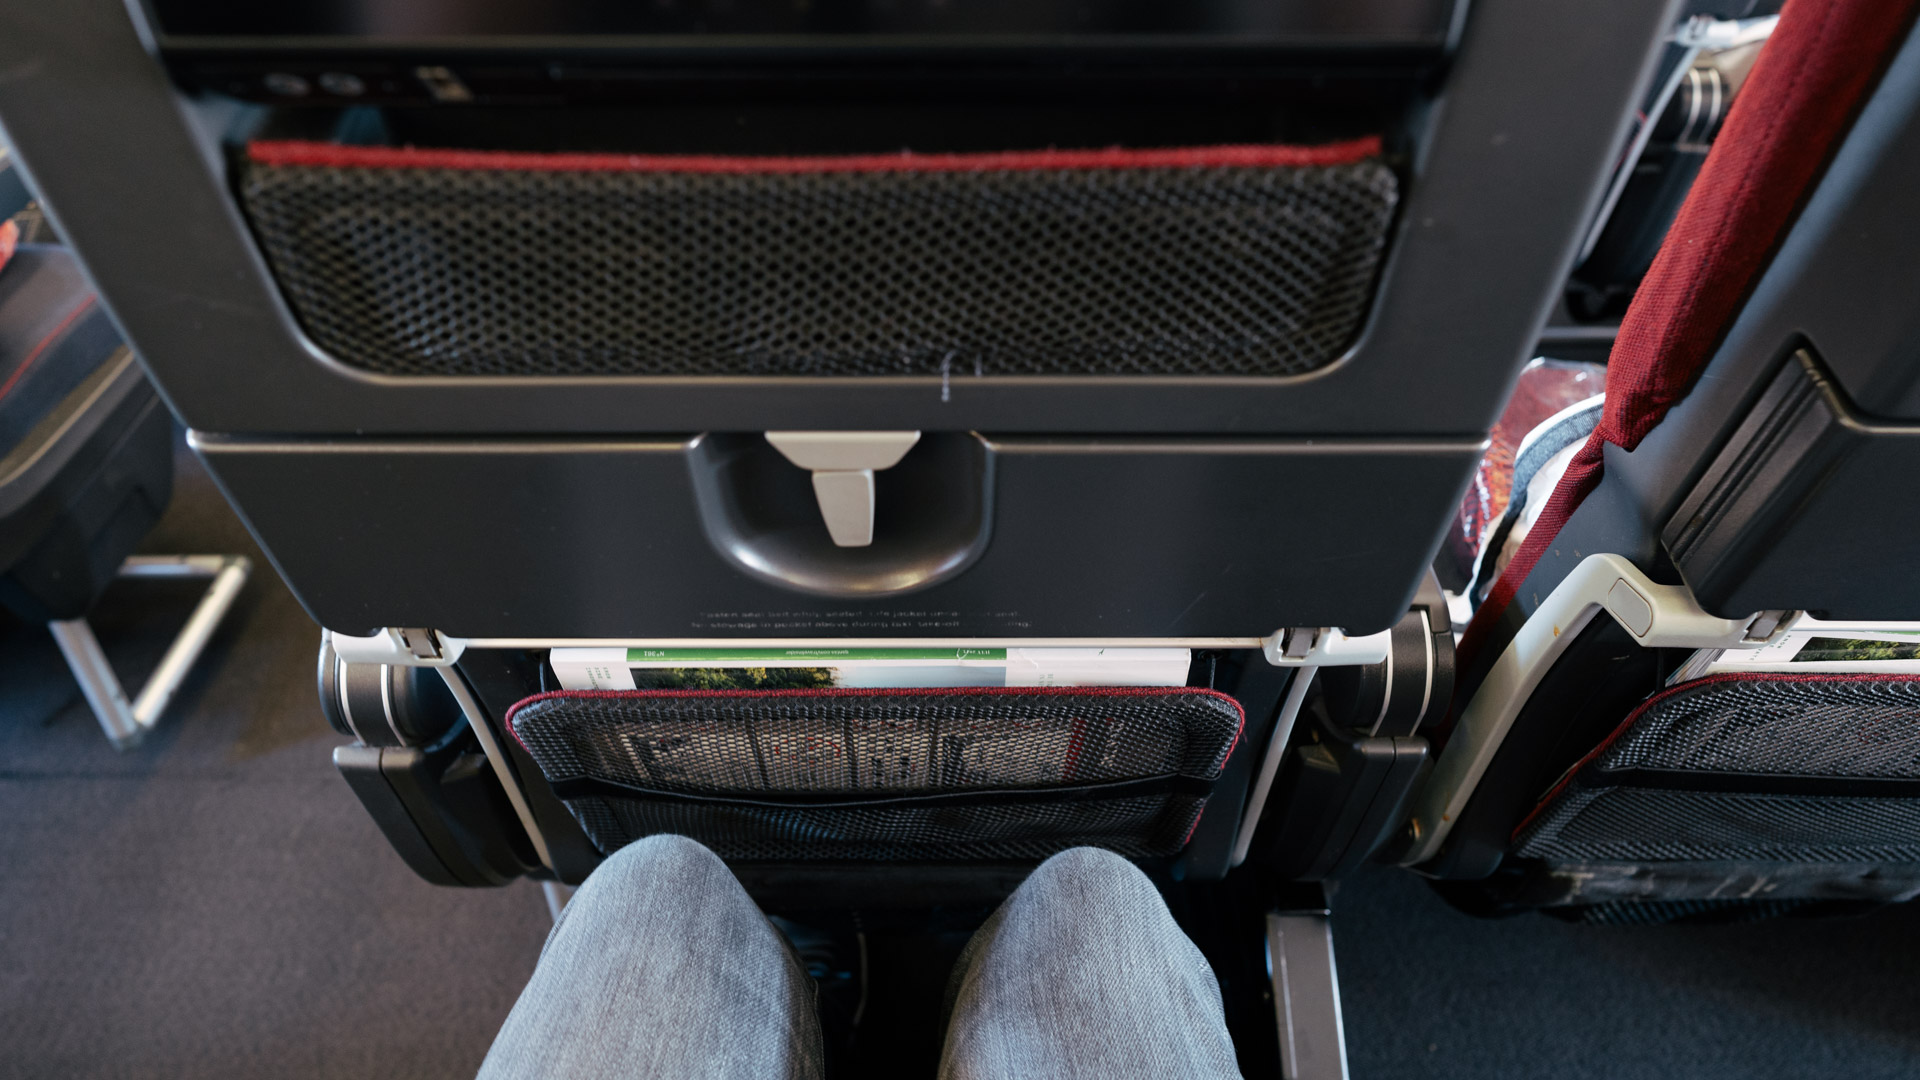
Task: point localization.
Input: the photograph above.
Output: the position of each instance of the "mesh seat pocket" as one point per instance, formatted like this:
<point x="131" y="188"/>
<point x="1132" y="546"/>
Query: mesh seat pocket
<point x="884" y="775"/>
<point x="1238" y="261"/>
<point x="1746" y="767"/>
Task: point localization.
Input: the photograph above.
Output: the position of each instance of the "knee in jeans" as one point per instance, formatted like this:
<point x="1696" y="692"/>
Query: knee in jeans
<point x="1095" y="871"/>
<point x="657" y="859"/>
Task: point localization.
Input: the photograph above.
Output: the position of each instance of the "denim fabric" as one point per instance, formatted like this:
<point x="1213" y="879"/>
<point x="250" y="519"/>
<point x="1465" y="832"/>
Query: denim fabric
<point x="661" y="966"/>
<point x="1084" y="973"/>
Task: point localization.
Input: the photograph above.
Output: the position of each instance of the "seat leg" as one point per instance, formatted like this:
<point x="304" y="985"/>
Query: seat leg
<point x="97" y="681"/>
<point x="1306" y="994"/>
<point x="126" y="723"/>
<point x="557" y="896"/>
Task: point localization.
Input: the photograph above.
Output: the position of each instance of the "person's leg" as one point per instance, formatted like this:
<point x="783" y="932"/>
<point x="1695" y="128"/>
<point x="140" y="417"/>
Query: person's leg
<point x="1084" y="973"/>
<point x="661" y="966"/>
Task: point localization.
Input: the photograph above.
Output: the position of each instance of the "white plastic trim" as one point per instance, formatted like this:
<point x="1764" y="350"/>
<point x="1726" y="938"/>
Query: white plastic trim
<point x="1707" y="32"/>
<point x="837" y="451"/>
<point x="380" y="649"/>
<point x="1316" y="647"/>
<point x="1325" y="647"/>
<point x="843" y="464"/>
<point x="390" y="646"/>
<point x="1658" y="616"/>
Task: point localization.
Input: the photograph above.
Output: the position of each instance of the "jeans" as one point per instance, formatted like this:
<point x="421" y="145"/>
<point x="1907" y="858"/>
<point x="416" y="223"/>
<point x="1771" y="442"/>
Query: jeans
<point x="661" y="966"/>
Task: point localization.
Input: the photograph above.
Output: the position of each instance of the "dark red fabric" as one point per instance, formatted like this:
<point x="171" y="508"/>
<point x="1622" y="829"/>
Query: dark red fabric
<point x="930" y="691"/>
<point x="1810" y="79"/>
<point x="333" y="155"/>
<point x="1633" y="717"/>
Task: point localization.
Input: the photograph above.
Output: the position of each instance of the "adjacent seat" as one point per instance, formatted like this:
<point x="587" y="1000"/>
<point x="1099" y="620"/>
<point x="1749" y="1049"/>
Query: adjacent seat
<point x="1761" y="430"/>
<point x="86" y="467"/>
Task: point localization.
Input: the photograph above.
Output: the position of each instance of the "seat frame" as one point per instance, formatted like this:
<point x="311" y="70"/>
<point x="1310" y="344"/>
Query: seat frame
<point x="127" y="722"/>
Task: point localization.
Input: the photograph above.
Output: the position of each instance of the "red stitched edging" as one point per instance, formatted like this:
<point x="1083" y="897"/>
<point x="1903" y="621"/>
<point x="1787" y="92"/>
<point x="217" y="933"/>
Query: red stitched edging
<point x="7" y="386"/>
<point x="333" y="155"/>
<point x="932" y="691"/>
<point x="1620" y="732"/>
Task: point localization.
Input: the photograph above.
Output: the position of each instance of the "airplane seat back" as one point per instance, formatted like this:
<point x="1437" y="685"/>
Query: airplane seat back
<point x="1623" y="735"/>
<point x="499" y="350"/>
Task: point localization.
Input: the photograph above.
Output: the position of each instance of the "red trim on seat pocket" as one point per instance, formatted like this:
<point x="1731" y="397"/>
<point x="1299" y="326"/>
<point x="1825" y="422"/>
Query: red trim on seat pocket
<point x="53" y="336"/>
<point x="335" y="156"/>
<point x="1566" y="778"/>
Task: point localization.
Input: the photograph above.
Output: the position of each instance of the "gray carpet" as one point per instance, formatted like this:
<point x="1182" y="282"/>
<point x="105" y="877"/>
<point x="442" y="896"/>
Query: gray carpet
<point x="216" y="904"/>
<point x="1432" y="993"/>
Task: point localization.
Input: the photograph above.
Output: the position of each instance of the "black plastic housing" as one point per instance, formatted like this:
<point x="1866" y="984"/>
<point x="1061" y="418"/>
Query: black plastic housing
<point x="611" y="538"/>
<point x="1805" y="508"/>
<point x="441" y="808"/>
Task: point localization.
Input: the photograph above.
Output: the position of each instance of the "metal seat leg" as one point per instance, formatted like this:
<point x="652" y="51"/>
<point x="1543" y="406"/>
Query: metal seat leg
<point x="126" y="723"/>
<point x="1306" y="994"/>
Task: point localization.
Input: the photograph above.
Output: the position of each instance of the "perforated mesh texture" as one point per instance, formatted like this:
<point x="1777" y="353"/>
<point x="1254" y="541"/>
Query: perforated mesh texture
<point x="1645" y="823"/>
<point x="1836" y="727"/>
<point x="1832" y="726"/>
<point x="1129" y="271"/>
<point x="1658" y="912"/>
<point x="1138" y="827"/>
<point x="1036" y="771"/>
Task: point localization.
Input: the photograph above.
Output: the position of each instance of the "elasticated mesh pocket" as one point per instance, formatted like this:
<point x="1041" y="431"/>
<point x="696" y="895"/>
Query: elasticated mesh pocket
<point x="1765" y="768"/>
<point x="1214" y="261"/>
<point x="1826" y="725"/>
<point x="1639" y="824"/>
<point x="885" y="775"/>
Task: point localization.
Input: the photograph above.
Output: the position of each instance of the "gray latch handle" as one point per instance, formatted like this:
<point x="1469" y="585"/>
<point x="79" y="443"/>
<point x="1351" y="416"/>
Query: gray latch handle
<point x="843" y="464"/>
